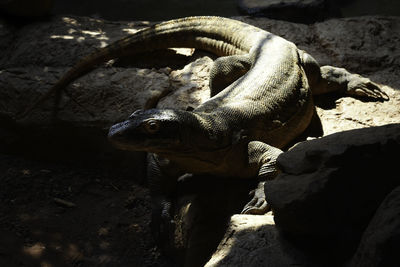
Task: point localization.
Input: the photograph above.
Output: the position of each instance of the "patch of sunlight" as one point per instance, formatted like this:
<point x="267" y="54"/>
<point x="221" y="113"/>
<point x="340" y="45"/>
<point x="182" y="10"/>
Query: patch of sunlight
<point x="184" y="51"/>
<point x="136" y="227"/>
<point x="80" y="39"/>
<point x="70" y="21"/>
<point x="66" y="37"/>
<point x="103" y="44"/>
<point x="99" y="34"/>
<point x="96" y="20"/>
<point x="92" y="33"/>
<point x="130" y="31"/>
<point x="26" y="172"/>
<point x="139" y="23"/>
<point x="35" y="251"/>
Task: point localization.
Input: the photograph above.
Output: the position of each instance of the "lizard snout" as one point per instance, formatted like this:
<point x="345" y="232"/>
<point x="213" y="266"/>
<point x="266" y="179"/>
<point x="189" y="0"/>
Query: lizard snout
<point x="117" y="131"/>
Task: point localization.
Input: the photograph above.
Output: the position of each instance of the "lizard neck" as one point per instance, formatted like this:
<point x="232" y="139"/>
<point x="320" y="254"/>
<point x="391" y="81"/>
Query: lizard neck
<point x="205" y="132"/>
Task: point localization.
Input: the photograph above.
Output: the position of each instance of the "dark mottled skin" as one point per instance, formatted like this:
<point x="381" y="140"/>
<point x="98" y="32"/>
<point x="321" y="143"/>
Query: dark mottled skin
<point x="261" y="99"/>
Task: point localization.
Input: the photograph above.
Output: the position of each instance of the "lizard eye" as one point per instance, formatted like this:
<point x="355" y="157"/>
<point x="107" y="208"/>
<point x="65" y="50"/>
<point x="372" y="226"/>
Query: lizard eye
<point x="152" y="126"/>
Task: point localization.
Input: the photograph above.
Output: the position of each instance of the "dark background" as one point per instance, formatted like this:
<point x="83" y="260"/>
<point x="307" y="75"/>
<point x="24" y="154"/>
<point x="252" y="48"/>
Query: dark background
<point x="156" y="10"/>
<point x="168" y="9"/>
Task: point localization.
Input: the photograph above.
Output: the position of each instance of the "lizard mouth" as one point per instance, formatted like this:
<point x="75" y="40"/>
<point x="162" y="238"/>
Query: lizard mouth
<point x="127" y="135"/>
<point x="120" y="135"/>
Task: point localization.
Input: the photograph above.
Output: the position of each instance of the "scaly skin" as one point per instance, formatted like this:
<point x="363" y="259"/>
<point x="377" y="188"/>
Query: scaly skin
<point x="261" y="99"/>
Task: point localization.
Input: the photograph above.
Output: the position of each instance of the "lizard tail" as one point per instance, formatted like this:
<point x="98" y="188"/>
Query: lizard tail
<point x="220" y="36"/>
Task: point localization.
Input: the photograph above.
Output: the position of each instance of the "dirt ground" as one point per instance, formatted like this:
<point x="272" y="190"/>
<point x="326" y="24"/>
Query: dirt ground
<point x="63" y="214"/>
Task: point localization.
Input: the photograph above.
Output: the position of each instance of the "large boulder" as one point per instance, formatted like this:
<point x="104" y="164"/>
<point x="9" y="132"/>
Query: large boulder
<point x="255" y="241"/>
<point x="34" y="56"/>
<point x="302" y="11"/>
<point x="380" y="242"/>
<point x="330" y="188"/>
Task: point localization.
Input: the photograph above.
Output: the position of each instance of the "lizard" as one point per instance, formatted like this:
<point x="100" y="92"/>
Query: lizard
<point x="261" y="89"/>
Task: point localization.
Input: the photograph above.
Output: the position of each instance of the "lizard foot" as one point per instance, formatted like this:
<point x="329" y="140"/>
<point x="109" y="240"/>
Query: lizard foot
<point x="162" y="224"/>
<point x="257" y="205"/>
<point x="364" y="87"/>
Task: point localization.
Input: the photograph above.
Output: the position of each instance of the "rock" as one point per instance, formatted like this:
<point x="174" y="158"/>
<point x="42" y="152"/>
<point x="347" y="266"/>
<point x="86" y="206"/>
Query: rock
<point x="202" y="208"/>
<point x="330" y="187"/>
<point x="33" y="57"/>
<point x="109" y="94"/>
<point x="381" y="240"/>
<point x="253" y="240"/>
<point x="302" y="11"/>
<point x="190" y="85"/>
<point x="42" y="52"/>
<point x="349" y="35"/>
<point x="364" y="45"/>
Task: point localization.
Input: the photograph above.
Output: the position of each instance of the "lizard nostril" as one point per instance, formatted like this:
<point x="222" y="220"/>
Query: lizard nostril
<point x="119" y="130"/>
<point x="112" y="132"/>
<point x="116" y="131"/>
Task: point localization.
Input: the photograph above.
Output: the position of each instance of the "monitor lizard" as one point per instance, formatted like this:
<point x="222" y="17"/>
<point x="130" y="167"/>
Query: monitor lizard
<point x="261" y="100"/>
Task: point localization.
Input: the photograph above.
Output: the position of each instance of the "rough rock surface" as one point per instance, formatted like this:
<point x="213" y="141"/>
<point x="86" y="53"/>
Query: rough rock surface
<point x="380" y="242"/>
<point x="302" y="11"/>
<point x="254" y="241"/>
<point x="34" y="56"/>
<point x="42" y="52"/>
<point x="330" y="187"/>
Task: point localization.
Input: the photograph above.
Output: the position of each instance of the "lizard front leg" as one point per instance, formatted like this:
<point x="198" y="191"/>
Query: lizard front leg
<point x="265" y="157"/>
<point x="162" y="185"/>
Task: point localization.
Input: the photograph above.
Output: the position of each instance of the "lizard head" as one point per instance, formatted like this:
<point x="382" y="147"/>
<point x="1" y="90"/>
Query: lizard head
<point x="153" y="130"/>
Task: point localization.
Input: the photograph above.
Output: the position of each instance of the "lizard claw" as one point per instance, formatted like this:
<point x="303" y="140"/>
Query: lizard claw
<point x="364" y="87"/>
<point x="257" y="205"/>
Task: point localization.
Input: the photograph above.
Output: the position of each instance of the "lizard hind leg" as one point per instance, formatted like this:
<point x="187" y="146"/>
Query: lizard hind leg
<point x="226" y="70"/>
<point x="328" y="79"/>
